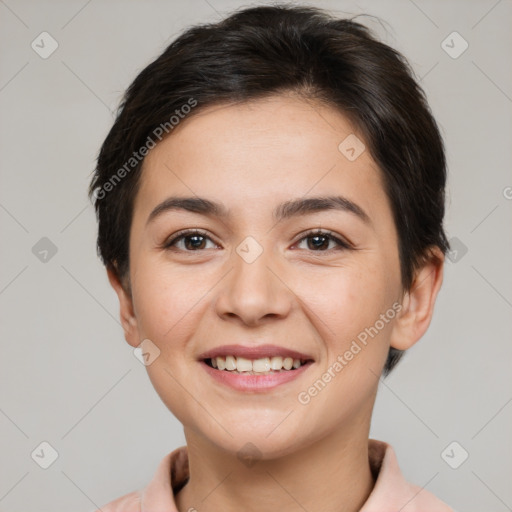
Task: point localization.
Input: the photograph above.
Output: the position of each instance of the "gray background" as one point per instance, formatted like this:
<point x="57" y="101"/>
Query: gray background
<point x="66" y="374"/>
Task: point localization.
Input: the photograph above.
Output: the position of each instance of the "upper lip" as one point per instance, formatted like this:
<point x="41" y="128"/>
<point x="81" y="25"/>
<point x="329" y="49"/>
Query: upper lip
<point x="254" y="352"/>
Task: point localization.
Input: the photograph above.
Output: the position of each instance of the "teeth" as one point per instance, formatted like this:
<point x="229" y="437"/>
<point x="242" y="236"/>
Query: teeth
<point x="263" y="365"/>
<point x="243" y="365"/>
<point x="230" y="363"/>
<point x="276" y="363"/>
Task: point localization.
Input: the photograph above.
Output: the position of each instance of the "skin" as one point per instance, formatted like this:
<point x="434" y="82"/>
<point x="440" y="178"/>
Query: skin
<point x="252" y="157"/>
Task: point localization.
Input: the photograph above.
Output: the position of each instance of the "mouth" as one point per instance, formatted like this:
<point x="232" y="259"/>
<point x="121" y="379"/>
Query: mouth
<point x="254" y="368"/>
<point x="261" y="366"/>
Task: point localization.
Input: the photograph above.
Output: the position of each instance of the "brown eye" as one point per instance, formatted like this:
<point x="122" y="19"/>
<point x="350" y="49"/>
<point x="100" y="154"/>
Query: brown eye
<point x="190" y="241"/>
<point x="318" y="242"/>
<point x="321" y="241"/>
<point x="193" y="242"/>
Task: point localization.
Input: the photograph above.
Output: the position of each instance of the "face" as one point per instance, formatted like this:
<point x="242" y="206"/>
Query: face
<point x="269" y="266"/>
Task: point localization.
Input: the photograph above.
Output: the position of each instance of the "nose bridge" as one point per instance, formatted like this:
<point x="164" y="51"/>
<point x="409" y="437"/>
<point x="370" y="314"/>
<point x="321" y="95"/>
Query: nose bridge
<point x="251" y="265"/>
<point x="252" y="291"/>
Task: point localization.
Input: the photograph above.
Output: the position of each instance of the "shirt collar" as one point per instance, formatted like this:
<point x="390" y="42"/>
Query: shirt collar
<point x="391" y="490"/>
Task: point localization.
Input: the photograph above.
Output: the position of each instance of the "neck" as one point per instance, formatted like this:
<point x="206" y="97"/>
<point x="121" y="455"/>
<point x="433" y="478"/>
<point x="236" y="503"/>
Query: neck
<point x="332" y="475"/>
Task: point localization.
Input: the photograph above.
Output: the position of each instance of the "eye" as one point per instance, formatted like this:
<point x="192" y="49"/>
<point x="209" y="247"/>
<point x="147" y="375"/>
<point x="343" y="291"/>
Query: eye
<point x="197" y="240"/>
<point x="193" y="240"/>
<point x="320" y="241"/>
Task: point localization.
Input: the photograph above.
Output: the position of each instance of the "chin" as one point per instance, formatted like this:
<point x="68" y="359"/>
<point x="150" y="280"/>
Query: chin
<point x="246" y="442"/>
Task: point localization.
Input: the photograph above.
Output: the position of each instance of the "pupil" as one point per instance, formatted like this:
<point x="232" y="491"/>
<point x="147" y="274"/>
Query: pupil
<point x="196" y="244"/>
<point x="317" y="237"/>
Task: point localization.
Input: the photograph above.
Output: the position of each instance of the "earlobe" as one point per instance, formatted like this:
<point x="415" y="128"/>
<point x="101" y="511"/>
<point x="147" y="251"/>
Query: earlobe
<point x="127" y="314"/>
<point x="418" y="303"/>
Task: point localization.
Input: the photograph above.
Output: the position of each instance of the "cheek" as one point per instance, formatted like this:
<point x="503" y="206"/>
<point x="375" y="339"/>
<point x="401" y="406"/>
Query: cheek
<point x="344" y="301"/>
<point x="166" y="301"/>
<point x="346" y="310"/>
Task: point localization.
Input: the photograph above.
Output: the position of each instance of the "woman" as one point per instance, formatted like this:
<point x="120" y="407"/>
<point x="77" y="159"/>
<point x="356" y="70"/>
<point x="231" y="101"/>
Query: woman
<point x="270" y="203"/>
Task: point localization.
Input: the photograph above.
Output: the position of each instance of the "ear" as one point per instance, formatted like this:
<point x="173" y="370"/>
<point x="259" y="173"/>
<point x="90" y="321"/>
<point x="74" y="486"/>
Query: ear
<point x="418" y="304"/>
<point x="127" y="315"/>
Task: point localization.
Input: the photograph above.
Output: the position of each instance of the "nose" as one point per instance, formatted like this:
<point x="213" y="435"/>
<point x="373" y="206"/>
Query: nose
<point x="254" y="291"/>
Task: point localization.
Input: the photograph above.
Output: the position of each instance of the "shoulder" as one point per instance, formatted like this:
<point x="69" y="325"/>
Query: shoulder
<point x="128" y="503"/>
<point x="171" y="474"/>
<point x="392" y="490"/>
<point x="421" y="500"/>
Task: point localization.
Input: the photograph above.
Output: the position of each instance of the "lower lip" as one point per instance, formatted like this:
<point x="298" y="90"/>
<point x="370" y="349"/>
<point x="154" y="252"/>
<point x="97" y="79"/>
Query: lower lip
<point x="242" y="382"/>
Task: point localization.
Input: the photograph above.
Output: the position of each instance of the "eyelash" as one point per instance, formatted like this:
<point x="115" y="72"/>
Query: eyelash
<point x="342" y="245"/>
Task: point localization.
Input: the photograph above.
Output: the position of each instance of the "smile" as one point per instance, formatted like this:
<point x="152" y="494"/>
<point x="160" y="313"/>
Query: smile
<point x="262" y="366"/>
<point x="254" y="368"/>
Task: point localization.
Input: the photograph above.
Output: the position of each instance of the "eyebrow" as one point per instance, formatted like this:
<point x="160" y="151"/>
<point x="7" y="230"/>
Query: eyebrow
<point x="286" y="210"/>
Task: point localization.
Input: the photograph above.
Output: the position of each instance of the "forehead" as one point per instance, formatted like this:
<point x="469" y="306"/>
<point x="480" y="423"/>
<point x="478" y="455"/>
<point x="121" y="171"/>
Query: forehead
<point x="256" y="153"/>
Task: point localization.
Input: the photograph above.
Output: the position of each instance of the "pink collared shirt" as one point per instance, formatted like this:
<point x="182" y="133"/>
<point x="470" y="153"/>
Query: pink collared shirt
<point x="391" y="493"/>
